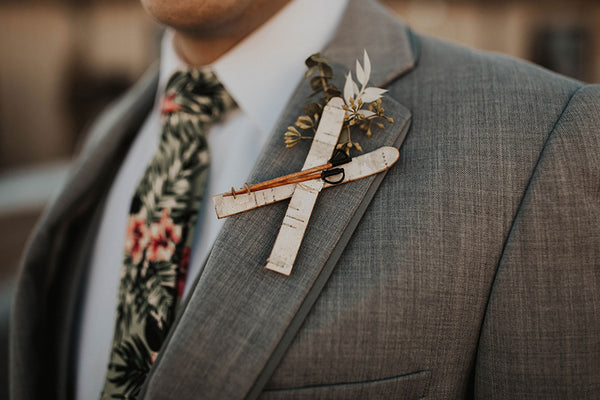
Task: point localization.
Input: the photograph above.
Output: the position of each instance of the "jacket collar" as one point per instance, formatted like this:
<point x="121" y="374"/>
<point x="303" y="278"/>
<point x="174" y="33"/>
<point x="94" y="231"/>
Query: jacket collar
<point x="240" y="317"/>
<point x="390" y="44"/>
<point x="54" y="265"/>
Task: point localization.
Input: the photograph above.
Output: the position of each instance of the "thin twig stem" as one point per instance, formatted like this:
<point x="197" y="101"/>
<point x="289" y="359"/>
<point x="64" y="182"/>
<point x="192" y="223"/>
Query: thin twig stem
<point x="283" y="180"/>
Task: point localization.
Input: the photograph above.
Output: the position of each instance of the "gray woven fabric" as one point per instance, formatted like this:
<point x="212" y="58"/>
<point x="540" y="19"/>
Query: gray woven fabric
<point x="470" y="270"/>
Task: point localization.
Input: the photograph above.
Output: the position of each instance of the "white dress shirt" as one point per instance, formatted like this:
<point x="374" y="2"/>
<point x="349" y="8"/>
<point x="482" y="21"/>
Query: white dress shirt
<point x="260" y="73"/>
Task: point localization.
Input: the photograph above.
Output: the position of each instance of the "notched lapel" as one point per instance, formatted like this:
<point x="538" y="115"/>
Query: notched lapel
<point x="240" y="317"/>
<point x="368" y="25"/>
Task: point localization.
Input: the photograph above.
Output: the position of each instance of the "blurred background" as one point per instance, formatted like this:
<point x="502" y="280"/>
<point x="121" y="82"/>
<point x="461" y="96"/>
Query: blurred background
<point x="63" y="61"/>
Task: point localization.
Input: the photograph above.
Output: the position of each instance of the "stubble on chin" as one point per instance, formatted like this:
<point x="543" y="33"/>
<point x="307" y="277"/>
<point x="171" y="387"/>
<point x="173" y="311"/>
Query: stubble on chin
<point x="207" y="18"/>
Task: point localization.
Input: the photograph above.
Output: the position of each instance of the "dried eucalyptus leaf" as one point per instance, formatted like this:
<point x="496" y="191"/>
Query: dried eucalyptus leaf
<point x="312" y="109"/>
<point x="320" y="58"/>
<point x="327" y="71"/>
<point x="316" y="83"/>
<point x="333" y="91"/>
<point x="310" y="62"/>
<point x="311" y="71"/>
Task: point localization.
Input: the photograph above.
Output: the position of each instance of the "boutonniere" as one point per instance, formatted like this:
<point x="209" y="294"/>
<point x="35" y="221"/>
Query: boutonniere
<point x="362" y="104"/>
<point x="327" y="118"/>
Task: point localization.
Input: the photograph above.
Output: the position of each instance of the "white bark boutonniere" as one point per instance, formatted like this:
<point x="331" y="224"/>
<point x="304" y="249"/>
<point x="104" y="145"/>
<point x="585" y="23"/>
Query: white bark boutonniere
<point x="355" y="98"/>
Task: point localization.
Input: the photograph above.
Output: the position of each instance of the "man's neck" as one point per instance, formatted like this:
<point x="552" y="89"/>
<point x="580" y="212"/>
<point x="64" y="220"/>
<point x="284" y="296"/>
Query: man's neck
<point x="198" y="48"/>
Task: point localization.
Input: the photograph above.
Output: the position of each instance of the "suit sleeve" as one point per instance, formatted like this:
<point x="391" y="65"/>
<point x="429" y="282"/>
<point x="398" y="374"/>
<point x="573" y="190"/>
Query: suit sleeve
<point x="541" y="333"/>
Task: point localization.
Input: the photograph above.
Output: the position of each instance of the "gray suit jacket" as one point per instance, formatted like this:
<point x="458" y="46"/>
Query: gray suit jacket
<point x="470" y="269"/>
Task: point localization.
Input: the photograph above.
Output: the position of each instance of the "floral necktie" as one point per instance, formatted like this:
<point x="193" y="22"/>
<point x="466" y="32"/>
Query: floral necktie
<point x="160" y="229"/>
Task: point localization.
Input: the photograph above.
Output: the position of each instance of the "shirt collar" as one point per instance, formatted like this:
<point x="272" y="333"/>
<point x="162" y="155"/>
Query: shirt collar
<point x="262" y="71"/>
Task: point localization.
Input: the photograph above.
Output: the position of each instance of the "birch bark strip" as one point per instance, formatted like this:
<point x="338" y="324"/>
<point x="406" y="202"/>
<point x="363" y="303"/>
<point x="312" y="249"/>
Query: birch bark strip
<point x="360" y="167"/>
<point x="305" y="194"/>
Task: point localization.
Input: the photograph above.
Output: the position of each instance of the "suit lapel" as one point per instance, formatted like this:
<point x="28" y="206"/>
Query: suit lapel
<point x="108" y="140"/>
<point x="54" y="264"/>
<point x="368" y="25"/>
<point x="240" y="317"/>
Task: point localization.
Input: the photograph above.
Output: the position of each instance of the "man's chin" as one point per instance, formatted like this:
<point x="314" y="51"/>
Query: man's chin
<point x="197" y="17"/>
<point x="209" y="30"/>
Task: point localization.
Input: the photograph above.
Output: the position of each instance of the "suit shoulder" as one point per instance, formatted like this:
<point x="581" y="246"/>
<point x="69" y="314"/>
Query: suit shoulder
<point x="480" y="93"/>
<point x="126" y="110"/>
<point x="581" y="116"/>
<point x="456" y="66"/>
<point x="587" y="96"/>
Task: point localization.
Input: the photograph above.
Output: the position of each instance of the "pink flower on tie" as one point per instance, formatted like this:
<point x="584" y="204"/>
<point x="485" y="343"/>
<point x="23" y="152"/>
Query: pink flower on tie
<point x="169" y="105"/>
<point x="164" y="235"/>
<point x="137" y="236"/>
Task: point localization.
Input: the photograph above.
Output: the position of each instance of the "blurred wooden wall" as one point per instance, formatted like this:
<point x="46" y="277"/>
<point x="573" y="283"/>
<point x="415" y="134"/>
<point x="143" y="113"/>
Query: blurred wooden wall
<point x="64" y="61"/>
<point x="60" y="62"/>
<point x="568" y="30"/>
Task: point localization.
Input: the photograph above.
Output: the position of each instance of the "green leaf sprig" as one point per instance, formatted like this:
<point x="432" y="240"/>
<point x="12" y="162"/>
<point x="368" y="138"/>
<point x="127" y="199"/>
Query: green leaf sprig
<point x="320" y="74"/>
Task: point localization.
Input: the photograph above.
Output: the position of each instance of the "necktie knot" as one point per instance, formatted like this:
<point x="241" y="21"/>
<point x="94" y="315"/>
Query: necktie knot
<point x="197" y="93"/>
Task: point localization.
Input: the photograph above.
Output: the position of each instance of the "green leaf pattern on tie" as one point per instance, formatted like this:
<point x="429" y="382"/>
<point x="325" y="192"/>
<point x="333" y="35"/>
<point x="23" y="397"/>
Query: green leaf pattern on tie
<point x="159" y="230"/>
